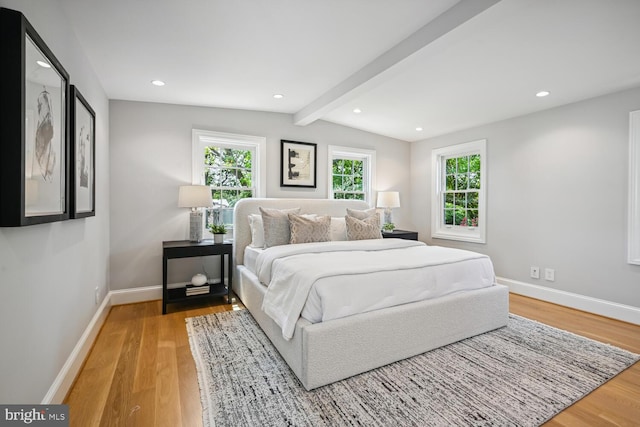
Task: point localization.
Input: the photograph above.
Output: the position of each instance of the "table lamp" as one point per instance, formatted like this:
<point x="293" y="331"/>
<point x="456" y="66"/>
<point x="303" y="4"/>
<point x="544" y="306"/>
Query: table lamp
<point x="195" y="197"/>
<point x="388" y="200"/>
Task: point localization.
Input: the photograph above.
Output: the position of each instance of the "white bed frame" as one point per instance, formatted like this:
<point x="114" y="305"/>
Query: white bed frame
<point x="326" y="352"/>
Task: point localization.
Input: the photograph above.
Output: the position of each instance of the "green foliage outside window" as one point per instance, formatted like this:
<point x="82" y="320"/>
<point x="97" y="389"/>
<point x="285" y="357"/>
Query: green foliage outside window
<point x="348" y="179"/>
<point x="228" y="173"/>
<point x="462" y="182"/>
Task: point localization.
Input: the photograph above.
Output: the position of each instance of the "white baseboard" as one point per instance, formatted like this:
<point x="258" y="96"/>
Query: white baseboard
<point x="73" y="364"/>
<point x="69" y="371"/>
<point x="130" y="296"/>
<point x="67" y="375"/>
<point x="626" y="313"/>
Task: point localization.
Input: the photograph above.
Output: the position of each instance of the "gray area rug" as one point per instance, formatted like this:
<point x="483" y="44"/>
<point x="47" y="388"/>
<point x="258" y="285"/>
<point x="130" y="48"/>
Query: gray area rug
<point x="519" y="375"/>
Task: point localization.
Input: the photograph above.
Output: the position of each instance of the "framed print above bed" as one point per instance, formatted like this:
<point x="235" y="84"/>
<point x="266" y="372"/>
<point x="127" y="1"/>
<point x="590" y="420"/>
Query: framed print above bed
<point x="34" y="127"/>
<point x="83" y="156"/>
<point x="298" y="164"/>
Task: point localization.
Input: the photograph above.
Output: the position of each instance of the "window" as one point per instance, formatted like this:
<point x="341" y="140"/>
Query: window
<point x="351" y="173"/>
<point x="229" y="173"/>
<point x="458" y="199"/>
<point x="232" y="166"/>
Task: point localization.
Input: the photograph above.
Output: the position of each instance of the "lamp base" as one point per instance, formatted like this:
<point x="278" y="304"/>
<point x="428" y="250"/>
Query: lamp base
<point x="387" y="216"/>
<point x="195" y="226"/>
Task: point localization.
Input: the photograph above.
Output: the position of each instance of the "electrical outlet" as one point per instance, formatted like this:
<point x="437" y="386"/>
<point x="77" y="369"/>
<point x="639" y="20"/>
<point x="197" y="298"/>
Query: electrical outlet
<point x="549" y="274"/>
<point x="97" y="295"/>
<point x="535" y="272"/>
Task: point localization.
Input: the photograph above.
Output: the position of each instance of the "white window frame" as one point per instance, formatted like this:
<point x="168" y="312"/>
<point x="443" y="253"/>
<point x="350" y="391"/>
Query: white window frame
<point x="369" y="170"/>
<point x="256" y="144"/>
<point x="439" y="230"/>
<point x="633" y="256"/>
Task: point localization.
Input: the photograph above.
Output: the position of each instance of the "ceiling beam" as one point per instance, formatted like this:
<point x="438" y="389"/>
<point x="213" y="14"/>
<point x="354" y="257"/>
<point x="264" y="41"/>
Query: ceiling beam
<point x="384" y="66"/>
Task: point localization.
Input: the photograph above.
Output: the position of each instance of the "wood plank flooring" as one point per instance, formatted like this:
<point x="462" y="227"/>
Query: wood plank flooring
<point x="140" y="371"/>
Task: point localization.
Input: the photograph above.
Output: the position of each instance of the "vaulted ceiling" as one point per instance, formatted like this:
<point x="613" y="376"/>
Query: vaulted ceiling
<point x="438" y="65"/>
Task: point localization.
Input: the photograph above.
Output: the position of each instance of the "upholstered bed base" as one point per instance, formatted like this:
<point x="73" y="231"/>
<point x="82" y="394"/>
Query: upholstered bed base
<point x="322" y="353"/>
<point x="326" y="352"/>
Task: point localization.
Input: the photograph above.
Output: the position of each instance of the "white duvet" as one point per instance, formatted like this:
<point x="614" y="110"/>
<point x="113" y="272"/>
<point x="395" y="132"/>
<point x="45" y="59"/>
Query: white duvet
<point x="329" y="280"/>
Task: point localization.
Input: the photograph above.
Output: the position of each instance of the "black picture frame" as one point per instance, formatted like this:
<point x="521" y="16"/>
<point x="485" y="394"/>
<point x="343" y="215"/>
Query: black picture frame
<point x="298" y="164"/>
<point x="34" y="127"/>
<point x="83" y="156"/>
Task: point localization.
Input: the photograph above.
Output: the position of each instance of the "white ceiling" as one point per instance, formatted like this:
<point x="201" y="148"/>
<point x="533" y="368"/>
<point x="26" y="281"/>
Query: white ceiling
<point x="443" y="65"/>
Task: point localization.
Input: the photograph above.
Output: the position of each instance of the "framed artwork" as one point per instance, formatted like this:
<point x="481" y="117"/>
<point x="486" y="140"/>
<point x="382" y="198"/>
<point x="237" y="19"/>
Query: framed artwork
<point x="34" y="127"/>
<point x="83" y="156"/>
<point x="298" y="164"/>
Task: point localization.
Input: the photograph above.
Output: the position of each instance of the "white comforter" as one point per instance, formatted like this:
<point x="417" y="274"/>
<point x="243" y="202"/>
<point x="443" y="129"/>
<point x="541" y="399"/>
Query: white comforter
<point x="387" y="272"/>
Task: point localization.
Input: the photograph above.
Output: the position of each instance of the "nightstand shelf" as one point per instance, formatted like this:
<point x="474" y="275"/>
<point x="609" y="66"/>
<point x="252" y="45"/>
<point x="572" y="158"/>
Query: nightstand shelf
<point x="186" y="249"/>
<point x="179" y="294"/>
<point x="401" y="234"/>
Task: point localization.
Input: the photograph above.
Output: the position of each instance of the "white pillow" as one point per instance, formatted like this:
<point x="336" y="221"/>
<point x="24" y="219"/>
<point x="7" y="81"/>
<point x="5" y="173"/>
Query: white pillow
<point x="257" y="231"/>
<point x="338" y="229"/>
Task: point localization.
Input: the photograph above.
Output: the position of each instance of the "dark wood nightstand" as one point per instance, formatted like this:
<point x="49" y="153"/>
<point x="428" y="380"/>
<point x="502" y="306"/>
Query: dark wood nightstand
<point x="187" y="249"/>
<point x="400" y="234"/>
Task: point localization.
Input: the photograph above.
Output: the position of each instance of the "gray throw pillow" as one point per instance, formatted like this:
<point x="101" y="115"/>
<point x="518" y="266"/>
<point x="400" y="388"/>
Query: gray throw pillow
<point x="361" y="214"/>
<point x="276" y="226"/>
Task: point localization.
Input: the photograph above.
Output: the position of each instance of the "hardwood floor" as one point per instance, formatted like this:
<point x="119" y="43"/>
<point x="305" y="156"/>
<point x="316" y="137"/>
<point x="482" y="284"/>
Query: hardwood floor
<point x="140" y="371"/>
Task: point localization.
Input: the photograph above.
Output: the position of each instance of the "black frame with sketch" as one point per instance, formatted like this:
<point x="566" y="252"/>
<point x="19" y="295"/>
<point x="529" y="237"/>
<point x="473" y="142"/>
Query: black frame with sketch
<point x="298" y="164"/>
<point x="83" y="156"/>
<point x="34" y="127"/>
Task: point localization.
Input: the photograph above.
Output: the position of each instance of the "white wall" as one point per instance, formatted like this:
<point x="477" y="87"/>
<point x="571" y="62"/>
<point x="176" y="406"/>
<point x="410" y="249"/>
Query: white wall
<point x="557" y="196"/>
<point x="151" y="158"/>
<point x="48" y="272"/>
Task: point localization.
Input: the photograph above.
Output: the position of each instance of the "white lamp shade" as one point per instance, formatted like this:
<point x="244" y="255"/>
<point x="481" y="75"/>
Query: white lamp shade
<point x="194" y="196"/>
<point x="388" y="199"/>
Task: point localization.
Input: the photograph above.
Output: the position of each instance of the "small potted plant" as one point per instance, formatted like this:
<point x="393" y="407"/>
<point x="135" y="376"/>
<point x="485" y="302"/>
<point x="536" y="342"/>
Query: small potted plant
<point x="218" y="231"/>
<point x="388" y="227"/>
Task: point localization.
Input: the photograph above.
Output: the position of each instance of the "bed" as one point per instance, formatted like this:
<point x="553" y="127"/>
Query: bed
<point x="326" y="351"/>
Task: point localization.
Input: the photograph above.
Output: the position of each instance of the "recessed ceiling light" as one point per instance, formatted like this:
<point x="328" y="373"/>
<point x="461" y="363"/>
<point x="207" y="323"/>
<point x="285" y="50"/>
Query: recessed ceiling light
<point x="542" y="93"/>
<point x="357" y="110"/>
<point x="278" y="96"/>
<point x="419" y="129"/>
<point x="157" y="82"/>
<point x="43" y="64"/>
